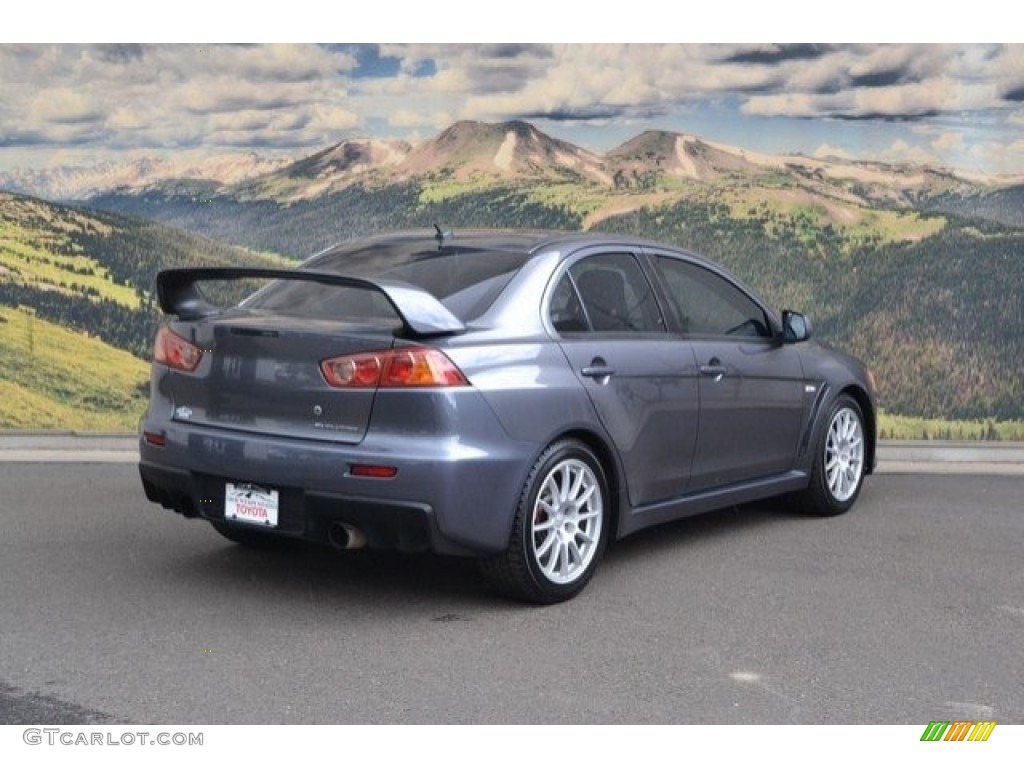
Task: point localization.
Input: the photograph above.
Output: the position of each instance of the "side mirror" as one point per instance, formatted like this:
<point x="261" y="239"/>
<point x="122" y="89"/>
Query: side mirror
<point x="795" y="327"/>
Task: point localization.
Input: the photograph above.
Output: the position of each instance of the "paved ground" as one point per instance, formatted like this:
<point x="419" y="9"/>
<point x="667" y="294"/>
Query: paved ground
<point x="906" y="610"/>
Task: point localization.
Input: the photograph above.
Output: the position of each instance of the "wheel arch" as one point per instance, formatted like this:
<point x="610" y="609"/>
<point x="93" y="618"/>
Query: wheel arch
<point x="610" y="465"/>
<point x="867" y="410"/>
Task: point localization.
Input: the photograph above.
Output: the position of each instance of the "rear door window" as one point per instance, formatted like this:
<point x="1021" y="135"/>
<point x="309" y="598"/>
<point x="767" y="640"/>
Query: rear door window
<point x="605" y="293"/>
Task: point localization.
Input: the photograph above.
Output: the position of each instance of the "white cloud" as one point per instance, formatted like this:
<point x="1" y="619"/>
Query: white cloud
<point x="165" y="96"/>
<point x="405" y="118"/>
<point x="901" y="151"/>
<point x="998" y="157"/>
<point x="786" y="104"/>
<point x="948" y="142"/>
<point x="185" y="96"/>
<point x="329" y="118"/>
<point x="64" y="105"/>
<point x="825" y="151"/>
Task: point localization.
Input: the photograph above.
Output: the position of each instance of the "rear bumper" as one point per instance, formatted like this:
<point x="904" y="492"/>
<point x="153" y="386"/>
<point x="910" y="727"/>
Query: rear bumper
<point x="450" y="496"/>
<point x="309" y="515"/>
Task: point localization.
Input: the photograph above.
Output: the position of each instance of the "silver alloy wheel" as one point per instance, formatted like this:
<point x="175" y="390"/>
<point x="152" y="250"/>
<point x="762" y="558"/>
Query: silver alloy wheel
<point x="844" y="454"/>
<point x="565" y="527"/>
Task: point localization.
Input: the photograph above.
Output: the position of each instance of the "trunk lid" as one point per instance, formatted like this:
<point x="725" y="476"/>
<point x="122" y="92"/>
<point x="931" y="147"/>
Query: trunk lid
<point x="260" y="373"/>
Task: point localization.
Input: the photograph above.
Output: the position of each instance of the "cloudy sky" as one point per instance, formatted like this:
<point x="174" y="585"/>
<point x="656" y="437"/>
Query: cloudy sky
<point x="960" y="105"/>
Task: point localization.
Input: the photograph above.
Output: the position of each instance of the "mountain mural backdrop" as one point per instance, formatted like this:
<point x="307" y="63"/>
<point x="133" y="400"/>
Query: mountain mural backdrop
<point x="917" y="269"/>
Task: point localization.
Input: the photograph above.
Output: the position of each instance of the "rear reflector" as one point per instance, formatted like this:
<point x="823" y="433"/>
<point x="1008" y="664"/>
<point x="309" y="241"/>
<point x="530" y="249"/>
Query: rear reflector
<point x="155" y="438"/>
<point x="372" y="470"/>
<point x="393" y="368"/>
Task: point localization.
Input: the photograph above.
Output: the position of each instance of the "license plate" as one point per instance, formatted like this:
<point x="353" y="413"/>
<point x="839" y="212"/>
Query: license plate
<point x="250" y="503"/>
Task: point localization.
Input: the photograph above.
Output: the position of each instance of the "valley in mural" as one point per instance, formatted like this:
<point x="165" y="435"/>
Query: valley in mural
<point x="917" y="269"/>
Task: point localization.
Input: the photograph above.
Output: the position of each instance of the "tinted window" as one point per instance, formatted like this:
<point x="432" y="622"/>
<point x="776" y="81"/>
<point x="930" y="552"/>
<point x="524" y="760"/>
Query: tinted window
<point x="465" y="277"/>
<point x="325" y="302"/>
<point x="706" y="304"/>
<point x="567" y="315"/>
<point x="605" y="293"/>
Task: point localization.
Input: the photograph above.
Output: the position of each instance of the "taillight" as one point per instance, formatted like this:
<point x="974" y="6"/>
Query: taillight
<point x="393" y="368"/>
<point x="174" y="351"/>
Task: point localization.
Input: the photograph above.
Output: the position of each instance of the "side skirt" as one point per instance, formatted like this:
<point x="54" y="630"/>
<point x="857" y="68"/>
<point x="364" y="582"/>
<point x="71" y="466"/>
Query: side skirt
<point x="705" y="501"/>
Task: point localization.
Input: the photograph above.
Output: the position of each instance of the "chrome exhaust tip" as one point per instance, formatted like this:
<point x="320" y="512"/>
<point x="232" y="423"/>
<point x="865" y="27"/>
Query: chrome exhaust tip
<point x="345" y="536"/>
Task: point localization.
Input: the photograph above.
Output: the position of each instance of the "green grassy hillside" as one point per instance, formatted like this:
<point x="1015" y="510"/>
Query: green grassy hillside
<point x="76" y="310"/>
<point x="55" y="378"/>
<point x="94" y="271"/>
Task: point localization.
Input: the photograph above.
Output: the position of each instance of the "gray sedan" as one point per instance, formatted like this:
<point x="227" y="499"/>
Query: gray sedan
<point x="519" y="398"/>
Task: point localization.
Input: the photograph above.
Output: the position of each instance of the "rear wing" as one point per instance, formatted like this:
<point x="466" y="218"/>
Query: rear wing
<point x="421" y="313"/>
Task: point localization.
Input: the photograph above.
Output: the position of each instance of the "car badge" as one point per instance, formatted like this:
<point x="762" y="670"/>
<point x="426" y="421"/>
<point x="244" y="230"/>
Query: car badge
<point x="318" y="411"/>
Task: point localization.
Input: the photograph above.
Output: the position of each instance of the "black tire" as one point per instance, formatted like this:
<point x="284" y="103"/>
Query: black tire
<point x="554" y="563"/>
<point x="253" y="539"/>
<point x="840" y="457"/>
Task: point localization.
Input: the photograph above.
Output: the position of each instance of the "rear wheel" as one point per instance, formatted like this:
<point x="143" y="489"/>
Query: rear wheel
<point x="838" y="471"/>
<point x="560" y="528"/>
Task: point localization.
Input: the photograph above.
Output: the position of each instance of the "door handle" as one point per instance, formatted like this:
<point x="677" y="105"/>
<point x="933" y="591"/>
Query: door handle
<point x="598" y="371"/>
<point x="714" y="369"/>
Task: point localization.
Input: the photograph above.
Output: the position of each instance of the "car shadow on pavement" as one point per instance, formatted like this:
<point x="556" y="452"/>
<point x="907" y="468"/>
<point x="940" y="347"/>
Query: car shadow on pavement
<point x="358" y="578"/>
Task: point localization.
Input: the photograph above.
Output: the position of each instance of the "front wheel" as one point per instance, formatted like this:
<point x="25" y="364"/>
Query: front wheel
<point x="838" y="472"/>
<point x="560" y="528"/>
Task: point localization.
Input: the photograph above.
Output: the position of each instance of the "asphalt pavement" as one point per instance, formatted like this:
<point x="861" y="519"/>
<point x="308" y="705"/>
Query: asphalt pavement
<point x="906" y="610"/>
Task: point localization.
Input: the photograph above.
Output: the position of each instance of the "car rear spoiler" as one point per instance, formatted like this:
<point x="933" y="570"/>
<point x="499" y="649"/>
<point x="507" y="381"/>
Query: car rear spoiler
<point x="421" y="313"/>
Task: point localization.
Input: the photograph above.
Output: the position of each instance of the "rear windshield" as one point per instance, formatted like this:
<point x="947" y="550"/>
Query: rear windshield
<point x="465" y="277"/>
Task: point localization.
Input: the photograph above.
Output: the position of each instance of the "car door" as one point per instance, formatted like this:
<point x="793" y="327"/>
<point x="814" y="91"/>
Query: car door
<point x="750" y="385"/>
<point x="641" y="379"/>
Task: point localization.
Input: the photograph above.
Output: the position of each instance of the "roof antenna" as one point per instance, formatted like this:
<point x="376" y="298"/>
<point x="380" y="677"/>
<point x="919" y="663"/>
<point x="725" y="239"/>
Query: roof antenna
<point x="441" y="236"/>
